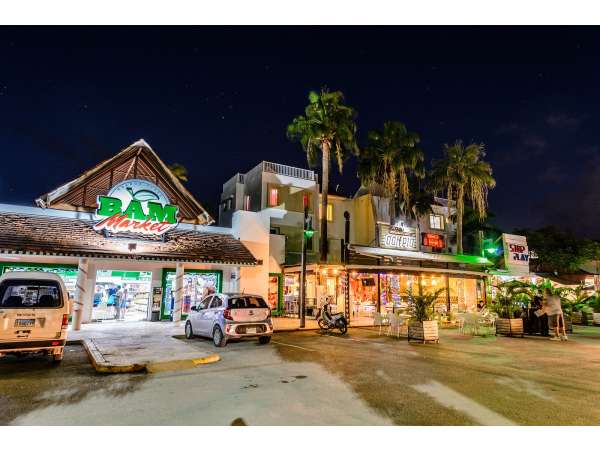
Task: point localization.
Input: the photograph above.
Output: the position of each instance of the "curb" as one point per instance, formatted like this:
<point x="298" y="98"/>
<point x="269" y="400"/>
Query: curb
<point x="102" y="366"/>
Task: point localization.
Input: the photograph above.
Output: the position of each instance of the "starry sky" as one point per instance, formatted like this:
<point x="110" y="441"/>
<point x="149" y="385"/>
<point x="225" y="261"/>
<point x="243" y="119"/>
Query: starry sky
<point x="218" y="99"/>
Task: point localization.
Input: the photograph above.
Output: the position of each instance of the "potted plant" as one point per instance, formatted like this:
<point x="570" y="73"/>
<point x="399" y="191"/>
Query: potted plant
<point x="508" y="303"/>
<point x="422" y="326"/>
<point x="594" y="304"/>
<point x="575" y="306"/>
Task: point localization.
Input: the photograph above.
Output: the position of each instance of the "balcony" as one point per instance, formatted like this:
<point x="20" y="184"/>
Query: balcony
<point x="289" y="171"/>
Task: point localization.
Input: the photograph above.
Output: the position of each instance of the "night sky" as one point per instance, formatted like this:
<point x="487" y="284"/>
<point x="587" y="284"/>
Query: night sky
<point x="218" y="99"/>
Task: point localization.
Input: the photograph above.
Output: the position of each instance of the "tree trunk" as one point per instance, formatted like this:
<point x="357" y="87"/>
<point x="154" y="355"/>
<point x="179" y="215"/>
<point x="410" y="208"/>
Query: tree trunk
<point x="324" y="191"/>
<point x="460" y="203"/>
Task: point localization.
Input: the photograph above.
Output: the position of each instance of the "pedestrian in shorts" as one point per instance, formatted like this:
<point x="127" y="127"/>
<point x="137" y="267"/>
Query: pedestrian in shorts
<point x="556" y="318"/>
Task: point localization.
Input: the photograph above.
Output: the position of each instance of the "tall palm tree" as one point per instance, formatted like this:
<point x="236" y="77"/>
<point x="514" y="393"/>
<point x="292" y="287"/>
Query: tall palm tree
<point x="328" y="125"/>
<point x="389" y="159"/>
<point x="465" y="175"/>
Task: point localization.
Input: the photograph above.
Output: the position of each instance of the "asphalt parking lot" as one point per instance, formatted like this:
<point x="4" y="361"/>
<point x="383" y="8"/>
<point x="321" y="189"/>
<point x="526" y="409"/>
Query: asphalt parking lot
<point x="311" y="378"/>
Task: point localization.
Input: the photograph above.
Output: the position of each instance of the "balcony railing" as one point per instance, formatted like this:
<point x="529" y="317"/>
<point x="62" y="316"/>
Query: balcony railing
<point x="289" y="171"/>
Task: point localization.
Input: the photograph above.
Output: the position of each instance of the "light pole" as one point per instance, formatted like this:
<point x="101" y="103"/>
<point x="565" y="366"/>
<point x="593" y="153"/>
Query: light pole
<point x="307" y="233"/>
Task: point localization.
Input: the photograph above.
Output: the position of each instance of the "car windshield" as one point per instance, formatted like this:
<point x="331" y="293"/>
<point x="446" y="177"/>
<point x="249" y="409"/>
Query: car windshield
<point x="30" y="294"/>
<point x="246" y="302"/>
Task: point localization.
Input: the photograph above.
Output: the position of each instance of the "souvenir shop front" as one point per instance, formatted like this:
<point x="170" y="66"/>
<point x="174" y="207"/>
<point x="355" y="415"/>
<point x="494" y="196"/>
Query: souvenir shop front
<point x="380" y="280"/>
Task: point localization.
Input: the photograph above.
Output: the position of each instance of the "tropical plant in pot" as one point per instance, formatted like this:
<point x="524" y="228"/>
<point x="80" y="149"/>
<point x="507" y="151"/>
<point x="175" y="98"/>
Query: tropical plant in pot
<point x="422" y="327"/>
<point x="510" y="298"/>
<point x="594" y="303"/>
<point x="575" y="303"/>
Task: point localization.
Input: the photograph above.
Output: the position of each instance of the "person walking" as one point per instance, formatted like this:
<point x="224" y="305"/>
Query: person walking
<point x="554" y="311"/>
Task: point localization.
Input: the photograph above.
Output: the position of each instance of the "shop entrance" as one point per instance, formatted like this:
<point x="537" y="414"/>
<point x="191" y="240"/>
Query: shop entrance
<point x="121" y="295"/>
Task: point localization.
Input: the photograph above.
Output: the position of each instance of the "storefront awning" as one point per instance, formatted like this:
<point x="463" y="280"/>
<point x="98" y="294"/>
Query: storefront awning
<point x="434" y="257"/>
<point x="30" y="234"/>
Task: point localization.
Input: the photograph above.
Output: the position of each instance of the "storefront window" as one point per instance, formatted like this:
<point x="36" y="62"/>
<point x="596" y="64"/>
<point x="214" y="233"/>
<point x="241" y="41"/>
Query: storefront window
<point x="196" y="285"/>
<point x="363" y="294"/>
<point x="291" y="294"/>
<point x="68" y="274"/>
<point x="431" y="283"/>
<point x="137" y="297"/>
<point x="395" y="289"/>
<point x="464" y="294"/>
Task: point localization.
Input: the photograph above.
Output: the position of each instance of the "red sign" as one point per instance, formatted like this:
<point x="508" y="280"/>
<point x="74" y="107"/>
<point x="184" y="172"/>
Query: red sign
<point x="433" y="240"/>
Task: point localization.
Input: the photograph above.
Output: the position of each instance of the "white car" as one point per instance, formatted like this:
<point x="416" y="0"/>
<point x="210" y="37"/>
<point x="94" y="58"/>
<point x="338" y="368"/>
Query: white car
<point x="230" y="316"/>
<point x="34" y="314"/>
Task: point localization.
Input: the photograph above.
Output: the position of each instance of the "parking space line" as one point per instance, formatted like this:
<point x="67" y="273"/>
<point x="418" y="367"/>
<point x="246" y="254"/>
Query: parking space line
<point x="354" y="339"/>
<point x="291" y="345"/>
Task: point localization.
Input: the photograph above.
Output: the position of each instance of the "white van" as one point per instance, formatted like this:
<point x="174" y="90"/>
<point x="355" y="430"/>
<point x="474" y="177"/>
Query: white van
<point x="34" y="314"/>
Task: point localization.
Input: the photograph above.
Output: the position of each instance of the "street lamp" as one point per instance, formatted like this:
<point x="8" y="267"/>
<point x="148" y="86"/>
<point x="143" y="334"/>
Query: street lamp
<point x="307" y="233"/>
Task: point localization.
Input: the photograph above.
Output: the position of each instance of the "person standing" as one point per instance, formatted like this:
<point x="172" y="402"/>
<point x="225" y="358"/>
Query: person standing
<point x="553" y="308"/>
<point x="118" y="294"/>
<point x="124" y="300"/>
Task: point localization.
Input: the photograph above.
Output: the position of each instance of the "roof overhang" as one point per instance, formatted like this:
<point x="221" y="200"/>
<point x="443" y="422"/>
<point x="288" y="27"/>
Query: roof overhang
<point x="434" y="257"/>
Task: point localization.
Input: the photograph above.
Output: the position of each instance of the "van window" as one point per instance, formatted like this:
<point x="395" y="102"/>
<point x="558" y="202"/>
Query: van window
<point x="30" y="294"/>
<point x="246" y="302"/>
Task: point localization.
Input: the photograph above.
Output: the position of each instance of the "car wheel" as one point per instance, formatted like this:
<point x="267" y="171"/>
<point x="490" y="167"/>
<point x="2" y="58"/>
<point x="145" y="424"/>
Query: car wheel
<point x="188" y="330"/>
<point x="264" y="339"/>
<point x="218" y="338"/>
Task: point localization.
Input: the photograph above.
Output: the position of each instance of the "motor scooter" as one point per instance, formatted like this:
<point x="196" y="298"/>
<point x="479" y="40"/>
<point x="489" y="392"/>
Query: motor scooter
<point x="328" y="321"/>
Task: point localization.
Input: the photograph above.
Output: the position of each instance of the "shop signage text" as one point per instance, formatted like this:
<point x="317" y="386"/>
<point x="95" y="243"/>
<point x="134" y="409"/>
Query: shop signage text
<point x="398" y="237"/>
<point x="433" y="240"/>
<point x="516" y="253"/>
<point x="136" y="206"/>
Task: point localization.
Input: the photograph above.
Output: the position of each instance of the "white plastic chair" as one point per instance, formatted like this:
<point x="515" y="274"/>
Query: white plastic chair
<point x="395" y="325"/>
<point x="380" y="320"/>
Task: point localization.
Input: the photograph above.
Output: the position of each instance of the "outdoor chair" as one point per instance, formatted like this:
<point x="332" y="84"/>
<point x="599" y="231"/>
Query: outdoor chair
<point x="472" y="323"/>
<point x="460" y="321"/>
<point x="380" y="320"/>
<point x="396" y="323"/>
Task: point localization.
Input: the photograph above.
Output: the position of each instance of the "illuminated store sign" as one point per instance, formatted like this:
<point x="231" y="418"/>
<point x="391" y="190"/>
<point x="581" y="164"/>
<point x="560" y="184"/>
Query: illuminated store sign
<point x="136" y="206"/>
<point x="433" y="240"/>
<point x="399" y="236"/>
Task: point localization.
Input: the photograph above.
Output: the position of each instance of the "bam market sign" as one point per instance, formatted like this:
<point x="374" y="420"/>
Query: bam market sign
<point x="136" y="206"/>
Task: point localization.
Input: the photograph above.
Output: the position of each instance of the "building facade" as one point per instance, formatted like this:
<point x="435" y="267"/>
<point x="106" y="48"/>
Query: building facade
<point x="129" y="224"/>
<point x="373" y="266"/>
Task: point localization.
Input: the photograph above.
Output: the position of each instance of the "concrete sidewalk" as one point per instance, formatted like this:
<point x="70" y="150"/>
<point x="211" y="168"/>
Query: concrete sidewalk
<point x="120" y="347"/>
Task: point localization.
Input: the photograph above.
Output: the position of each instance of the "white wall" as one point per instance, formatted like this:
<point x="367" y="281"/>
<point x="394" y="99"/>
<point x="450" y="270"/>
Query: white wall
<point x="252" y="229"/>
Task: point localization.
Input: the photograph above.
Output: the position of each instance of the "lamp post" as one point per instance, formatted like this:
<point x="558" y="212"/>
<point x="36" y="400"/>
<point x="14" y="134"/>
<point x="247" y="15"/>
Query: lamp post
<point x="307" y="233"/>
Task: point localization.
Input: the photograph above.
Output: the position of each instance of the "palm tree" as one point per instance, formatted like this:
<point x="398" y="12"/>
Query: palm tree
<point x="328" y="125"/>
<point x="389" y="159"/>
<point x="179" y="171"/>
<point x="464" y="173"/>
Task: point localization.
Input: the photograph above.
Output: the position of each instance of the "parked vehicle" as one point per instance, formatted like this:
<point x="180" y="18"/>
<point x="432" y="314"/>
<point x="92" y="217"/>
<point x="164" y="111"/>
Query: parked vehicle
<point x="223" y="317"/>
<point x="328" y="321"/>
<point x="34" y="314"/>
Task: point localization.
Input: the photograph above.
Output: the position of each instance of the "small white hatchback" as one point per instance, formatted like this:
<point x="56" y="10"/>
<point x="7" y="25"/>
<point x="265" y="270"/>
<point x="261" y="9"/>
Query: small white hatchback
<point x="34" y="314"/>
<point x="230" y="316"/>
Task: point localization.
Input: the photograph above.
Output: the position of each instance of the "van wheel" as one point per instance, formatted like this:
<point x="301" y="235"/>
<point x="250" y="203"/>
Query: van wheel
<point x="218" y="338"/>
<point x="264" y="340"/>
<point x="188" y="330"/>
<point x="56" y="359"/>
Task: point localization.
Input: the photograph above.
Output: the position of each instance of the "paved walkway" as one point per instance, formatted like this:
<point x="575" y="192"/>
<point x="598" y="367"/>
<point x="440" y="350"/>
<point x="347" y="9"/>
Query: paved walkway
<point x="136" y="346"/>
